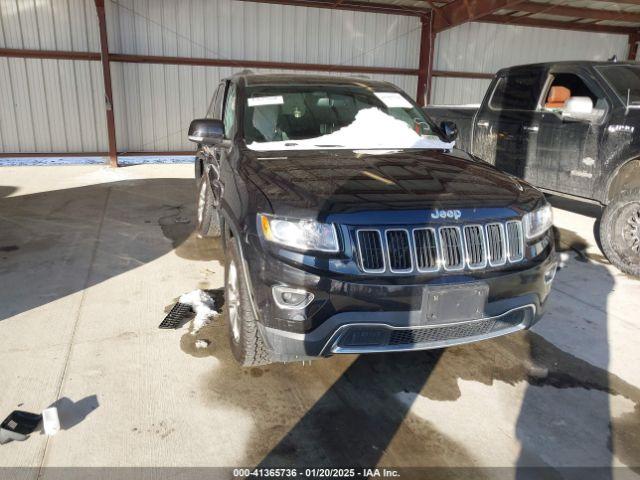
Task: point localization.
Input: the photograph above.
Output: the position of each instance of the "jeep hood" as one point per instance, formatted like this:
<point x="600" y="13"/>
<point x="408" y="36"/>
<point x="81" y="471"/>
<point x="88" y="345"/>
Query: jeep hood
<point x="324" y="183"/>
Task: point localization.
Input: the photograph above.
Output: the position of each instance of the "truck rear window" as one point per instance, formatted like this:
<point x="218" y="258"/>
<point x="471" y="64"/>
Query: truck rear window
<point x="625" y="80"/>
<point x="517" y="92"/>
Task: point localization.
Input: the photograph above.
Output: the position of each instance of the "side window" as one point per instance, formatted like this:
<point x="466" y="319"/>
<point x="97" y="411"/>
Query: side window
<point x="517" y="92"/>
<point x="229" y="117"/>
<point x="571" y="97"/>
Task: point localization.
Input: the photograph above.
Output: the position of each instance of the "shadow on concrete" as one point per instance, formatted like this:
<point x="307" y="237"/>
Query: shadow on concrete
<point x="71" y="413"/>
<point x="56" y="243"/>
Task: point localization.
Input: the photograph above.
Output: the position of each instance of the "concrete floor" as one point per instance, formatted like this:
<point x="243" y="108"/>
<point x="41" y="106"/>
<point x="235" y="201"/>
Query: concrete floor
<point x="90" y="258"/>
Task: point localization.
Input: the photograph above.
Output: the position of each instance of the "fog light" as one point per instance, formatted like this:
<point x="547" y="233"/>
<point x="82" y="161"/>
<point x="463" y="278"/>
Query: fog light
<point x="291" y="298"/>
<point x="550" y="274"/>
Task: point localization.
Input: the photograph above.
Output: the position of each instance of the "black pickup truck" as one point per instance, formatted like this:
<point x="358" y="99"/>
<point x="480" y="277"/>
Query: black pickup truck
<point x="569" y="128"/>
<point x="350" y="225"/>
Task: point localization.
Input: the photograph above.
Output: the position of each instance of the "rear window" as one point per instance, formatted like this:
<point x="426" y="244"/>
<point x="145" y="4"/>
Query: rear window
<point x="517" y="92"/>
<point x="625" y="80"/>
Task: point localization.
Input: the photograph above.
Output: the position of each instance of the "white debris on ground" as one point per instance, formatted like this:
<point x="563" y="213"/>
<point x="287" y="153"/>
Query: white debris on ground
<point x="203" y="306"/>
<point x="372" y="128"/>
<point x="563" y="260"/>
<point x="202" y="343"/>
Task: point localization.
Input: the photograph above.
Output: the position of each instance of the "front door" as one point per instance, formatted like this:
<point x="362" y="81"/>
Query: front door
<point x="501" y="132"/>
<point x="566" y="155"/>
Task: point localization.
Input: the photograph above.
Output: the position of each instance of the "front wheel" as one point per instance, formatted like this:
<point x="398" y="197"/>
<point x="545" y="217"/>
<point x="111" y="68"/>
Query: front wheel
<point x="247" y="345"/>
<point x="208" y="217"/>
<point x="620" y="231"/>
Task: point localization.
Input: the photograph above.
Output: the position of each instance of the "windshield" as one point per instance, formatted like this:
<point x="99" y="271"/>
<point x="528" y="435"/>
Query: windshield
<point x="625" y="80"/>
<point x="308" y="117"/>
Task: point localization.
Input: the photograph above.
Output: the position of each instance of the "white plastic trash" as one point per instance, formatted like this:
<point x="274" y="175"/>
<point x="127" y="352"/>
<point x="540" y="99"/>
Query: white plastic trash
<point x="51" y="421"/>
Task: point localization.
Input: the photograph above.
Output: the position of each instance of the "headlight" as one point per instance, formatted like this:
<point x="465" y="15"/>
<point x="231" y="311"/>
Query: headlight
<point x="300" y="234"/>
<point x="537" y="222"/>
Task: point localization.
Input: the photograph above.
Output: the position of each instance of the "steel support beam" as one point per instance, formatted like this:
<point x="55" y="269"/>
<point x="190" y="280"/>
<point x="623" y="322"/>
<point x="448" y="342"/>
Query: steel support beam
<point x="463" y="11"/>
<point x="454" y="74"/>
<point x="218" y="62"/>
<point x="536" y="22"/>
<point x="574" y="12"/>
<point x="425" y="67"/>
<point x="349" y="5"/>
<point x="106" y="76"/>
<point x="213" y="62"/>
<point x="48" y="54"/>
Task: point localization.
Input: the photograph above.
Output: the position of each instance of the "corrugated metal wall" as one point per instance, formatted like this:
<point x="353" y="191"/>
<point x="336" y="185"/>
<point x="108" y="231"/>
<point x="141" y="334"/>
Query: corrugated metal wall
<point x="50" y="105"/>
<point x="58" y="106"/>
<point x="153" y="104"/>
<point x="485" y="47"/>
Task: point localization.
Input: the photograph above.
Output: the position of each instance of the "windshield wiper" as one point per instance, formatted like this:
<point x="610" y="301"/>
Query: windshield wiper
<point x="332" y="146"/>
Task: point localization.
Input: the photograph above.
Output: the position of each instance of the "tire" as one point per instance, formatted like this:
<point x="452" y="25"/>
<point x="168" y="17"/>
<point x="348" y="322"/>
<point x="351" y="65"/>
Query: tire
<point x="247" y="345"/>
<point x="207" y="216"/>
<point x="620" y="231"/>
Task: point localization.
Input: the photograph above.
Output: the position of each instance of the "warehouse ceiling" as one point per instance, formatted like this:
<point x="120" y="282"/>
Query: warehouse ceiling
<point x="588" y="15"/>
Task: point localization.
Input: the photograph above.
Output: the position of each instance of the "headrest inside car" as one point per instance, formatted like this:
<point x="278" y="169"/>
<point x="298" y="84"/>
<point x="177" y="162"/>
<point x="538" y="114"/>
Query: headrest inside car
<point x="557" y="96"/>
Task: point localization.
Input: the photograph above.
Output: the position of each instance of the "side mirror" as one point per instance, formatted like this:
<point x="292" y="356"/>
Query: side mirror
<point x="578" y="106"/>
<point x="449" y="131"/>
<point x="207" y="131"/>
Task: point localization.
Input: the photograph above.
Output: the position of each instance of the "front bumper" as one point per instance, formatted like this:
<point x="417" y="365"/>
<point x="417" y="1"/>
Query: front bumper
<point x="382" y="315"/>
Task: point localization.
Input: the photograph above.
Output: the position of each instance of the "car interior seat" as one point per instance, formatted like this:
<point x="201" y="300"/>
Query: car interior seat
<point x="557" y="97"/>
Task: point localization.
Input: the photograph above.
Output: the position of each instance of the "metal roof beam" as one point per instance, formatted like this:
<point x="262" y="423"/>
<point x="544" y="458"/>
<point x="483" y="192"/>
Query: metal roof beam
<point x="463" y="11"/>
<point x="536" y="22"/>
<point x="564" y="11"/>
<point x="350" y="5"/>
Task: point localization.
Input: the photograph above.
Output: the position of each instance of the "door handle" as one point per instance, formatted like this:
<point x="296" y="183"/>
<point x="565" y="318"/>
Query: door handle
<point x="482" y="124"/>
<point x="527" y="128"/>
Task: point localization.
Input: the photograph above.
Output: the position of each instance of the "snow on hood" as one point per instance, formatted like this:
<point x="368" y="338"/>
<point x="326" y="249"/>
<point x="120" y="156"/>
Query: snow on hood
<point x="371" y="129"/>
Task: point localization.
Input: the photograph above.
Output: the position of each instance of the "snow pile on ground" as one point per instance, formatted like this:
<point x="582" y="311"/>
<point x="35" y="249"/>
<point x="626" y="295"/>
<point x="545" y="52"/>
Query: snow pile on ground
<point x="203" y="306"/>
<point x="372" y="128"/>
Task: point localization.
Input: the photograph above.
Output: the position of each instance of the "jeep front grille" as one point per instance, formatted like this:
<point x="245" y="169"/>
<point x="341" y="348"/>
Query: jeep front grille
<point x="451" y="248"/>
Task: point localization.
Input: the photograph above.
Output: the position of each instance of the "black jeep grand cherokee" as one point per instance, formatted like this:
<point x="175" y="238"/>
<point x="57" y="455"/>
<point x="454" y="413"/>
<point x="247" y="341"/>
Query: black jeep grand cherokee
<point x="351" y="225"/>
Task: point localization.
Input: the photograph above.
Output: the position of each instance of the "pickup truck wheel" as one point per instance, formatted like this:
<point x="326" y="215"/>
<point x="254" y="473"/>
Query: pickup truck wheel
<point x="247" y="345"/>
<point x="208" y="217"/>
<point x="620" y="231"/>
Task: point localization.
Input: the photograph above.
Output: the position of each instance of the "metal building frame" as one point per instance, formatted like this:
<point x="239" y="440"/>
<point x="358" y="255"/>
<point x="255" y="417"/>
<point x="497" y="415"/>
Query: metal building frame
<point x="437" y="16"/>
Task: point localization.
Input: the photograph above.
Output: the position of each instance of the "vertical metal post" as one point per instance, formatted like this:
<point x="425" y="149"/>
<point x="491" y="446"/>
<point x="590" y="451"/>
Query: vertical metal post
<point x="634" y="38"/>
<point x="106" y="75"/>
<point x="425" y="65"/>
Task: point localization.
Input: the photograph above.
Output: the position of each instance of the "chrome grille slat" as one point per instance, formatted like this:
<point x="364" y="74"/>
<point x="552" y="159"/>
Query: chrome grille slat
<point x="475" y="247"/>
<point x="370" y="248"/>
<point x="515" y="250"/>
<point x="399" y="251"/>
<point x="451" y="242"/>
<point x="496" y="244"/>
<point x="448" y="247"/>
<point x="426" y="248"/>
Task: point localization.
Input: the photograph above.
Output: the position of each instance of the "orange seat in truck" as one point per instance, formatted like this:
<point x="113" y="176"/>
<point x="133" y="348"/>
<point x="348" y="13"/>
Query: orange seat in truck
<point x="557" y="96"/>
